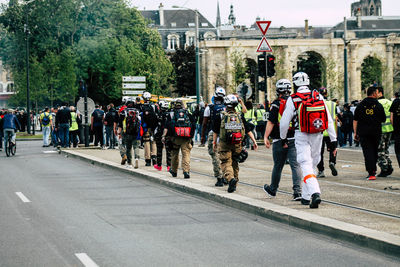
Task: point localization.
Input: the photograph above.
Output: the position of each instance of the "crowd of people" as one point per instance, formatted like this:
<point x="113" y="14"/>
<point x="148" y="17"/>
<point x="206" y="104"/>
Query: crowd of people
<point x="298" y="124"/>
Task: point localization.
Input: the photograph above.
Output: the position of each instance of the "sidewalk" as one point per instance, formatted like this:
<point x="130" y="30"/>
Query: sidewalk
<point x="379" y="230"/>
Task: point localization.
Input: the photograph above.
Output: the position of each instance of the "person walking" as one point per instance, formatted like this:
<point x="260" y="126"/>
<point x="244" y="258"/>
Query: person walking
<point x="384" y="161"/>
<point x="149" y="115"/>
<point x="326" y="139"/>
<point x="347" y="125"/>
<point x="211" y="113"/>
<point x="368" y="118"/>
<point x="109" y="120"/>
<point x="181" y="132"/>
<point x="162" y="124"/>
<point x="230" y="128"/>
<point x="311" y="117"/>
<point x="281" y="154"/>
<point x="46" y="121"/>
<point x="74" y="129"/>
<point x="395" y="120"/>
<point x="63" y="122"/>
<point x="97" y="126"/>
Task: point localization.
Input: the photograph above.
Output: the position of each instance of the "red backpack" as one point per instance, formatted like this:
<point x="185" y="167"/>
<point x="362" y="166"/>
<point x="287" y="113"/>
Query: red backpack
<point x="311" y="112"/>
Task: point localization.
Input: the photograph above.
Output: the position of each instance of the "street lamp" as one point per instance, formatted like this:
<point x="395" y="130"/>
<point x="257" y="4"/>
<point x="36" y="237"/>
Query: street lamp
<point x="28" y="100"/>
<point x="346" y="87"/>
<point x="196" y="43"/>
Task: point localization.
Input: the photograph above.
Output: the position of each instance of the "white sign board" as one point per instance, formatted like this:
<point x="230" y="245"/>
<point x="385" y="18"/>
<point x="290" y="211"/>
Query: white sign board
<point x="134" y="85"/>
<point x="80" y="106"/>
<point x="248" y="93"/>
<point x="133" y="79"/>
<point x="132" y="92"/>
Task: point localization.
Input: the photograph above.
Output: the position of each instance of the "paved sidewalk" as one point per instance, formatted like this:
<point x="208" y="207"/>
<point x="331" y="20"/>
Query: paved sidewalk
<point x="374" y="230"/>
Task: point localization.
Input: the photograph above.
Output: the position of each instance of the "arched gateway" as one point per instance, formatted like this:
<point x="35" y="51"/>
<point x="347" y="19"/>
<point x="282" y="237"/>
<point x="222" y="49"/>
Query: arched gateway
<point x="216" y="64"/>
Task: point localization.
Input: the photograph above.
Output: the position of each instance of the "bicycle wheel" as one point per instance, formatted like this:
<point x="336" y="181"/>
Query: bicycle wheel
<point x="13" y="149"/>
<point x="7" y="148"/>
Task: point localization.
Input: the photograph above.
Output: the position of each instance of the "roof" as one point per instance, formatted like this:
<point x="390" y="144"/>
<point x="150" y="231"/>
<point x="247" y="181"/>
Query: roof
<point x="370" y="23"/>
<point x="181" y="17"/>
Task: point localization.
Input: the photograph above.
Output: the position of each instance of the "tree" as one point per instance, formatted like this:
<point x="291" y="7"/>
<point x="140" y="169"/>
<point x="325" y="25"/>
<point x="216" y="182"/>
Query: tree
<point x="184" y="63"/>
<point x="371" y="72"/>
<point x="239" y="67"/>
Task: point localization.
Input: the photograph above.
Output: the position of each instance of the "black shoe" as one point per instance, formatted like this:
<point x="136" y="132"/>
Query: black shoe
<point x="186" y="175"/>
<point x="174" y="174"/>
<point x="267" y="189"/>
<point x="390" y="171"/>
<point x="219" y="182"/>
<point x="382" y="174"/>
<point x="225" y="181"/>
<point x="148" y="162"/>
<point x="296" y="197"/>
<point x="333" y="168"/>
<point x="305" y="201"/>
<point x="154" y="160"/>
<point x="315" y="201"/>
<point x="232" y="185"/>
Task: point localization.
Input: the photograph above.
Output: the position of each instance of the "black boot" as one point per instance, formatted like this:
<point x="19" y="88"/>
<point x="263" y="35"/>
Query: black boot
<point x="232" y="185"/>
<point x="174" y="174"/>
<point x="154" y="160"/>
<point x="186" y="175"/>
<point x="220" y="182"/>
<point x="148" y="162"/>
<point x="315" y="201"/>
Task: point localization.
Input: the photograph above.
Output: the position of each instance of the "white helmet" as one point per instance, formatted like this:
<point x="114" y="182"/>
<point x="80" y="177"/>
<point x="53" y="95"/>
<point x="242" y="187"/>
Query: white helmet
<point x="146" y="96"/>
<point x="301" y="79"/>
<point x="231" y="101"/>
<point x="164" y="104"/>
<point x="283" y="86"/>
<point x="220" y="92"/>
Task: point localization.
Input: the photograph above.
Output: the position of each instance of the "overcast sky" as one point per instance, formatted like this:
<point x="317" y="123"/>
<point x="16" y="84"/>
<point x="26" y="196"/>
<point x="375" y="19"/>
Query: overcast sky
<point x="280" y="12"/>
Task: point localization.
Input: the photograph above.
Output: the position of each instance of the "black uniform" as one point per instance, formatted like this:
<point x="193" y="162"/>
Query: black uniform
<point x="158" y="136"/>
<point x="395" y="109"/>
<point x="370" y="114"/>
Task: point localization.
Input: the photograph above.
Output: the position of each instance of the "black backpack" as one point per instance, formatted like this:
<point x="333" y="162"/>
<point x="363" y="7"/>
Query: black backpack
<point x="149" y="115"/>
<point x="182" y="123"/>
<point x="132" y="122"/>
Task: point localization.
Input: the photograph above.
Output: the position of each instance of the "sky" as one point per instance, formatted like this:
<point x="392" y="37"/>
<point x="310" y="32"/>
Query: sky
<point x="281" y="12"/>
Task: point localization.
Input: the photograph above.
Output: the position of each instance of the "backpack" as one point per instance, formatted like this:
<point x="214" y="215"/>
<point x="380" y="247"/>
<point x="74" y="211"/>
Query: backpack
<point x="132" y="123"/>
<point x="181" y="123"/>
<point x="215" y="112"/>
<point x="46" y="119"/>
<point x="149" y="116"/>
<point x="311" y="112"/>
<point x="232" y="128"/>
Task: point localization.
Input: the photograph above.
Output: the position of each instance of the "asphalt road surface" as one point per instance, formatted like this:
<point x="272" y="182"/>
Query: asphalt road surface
<point x="57" y="211"/>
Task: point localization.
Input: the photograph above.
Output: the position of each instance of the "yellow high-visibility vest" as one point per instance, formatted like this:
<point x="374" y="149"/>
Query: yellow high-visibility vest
<point x="387" y="126"/>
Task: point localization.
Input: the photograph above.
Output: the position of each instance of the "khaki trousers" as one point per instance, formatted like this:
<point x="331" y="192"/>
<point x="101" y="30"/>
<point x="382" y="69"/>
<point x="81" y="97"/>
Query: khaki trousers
<point x="150" y="146"/>
<point x="184" y="144"/>
<point x="230" y="167"/>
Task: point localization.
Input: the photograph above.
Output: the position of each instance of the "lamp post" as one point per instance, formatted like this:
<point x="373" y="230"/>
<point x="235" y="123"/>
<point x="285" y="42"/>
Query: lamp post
<point x="197" y="54"/>
<point x="346" y="89"/>
<point x="28" y="100"/>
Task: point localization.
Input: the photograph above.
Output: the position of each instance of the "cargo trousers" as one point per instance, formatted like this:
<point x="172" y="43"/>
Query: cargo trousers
<point x="214" y="156"/>
<point x="150" y="147"/>
<point x="230" y="167"/>
<point x="384" y="161"/>
<point x="183" y="144"/>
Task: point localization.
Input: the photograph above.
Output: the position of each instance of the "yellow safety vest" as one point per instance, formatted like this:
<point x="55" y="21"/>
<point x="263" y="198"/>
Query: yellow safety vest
<point x="387" y="126"/>
<point x="332" y="110"/>
<point x="260" y="113"/>
<point x="250" y="116"/>
<point x="74" y="125"/>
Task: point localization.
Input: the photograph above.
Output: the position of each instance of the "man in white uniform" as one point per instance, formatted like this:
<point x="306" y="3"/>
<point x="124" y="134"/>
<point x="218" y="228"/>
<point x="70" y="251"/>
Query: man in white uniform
<point x="308" y="145"/>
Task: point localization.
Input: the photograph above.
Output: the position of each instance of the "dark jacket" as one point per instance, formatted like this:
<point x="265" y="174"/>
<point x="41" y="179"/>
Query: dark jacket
<point x="63" y="116"/>
<point x="10" y="121"/>
<point x="369" y="114"/>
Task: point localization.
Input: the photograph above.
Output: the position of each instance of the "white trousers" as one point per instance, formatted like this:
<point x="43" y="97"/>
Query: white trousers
<point x="308" y="148"/>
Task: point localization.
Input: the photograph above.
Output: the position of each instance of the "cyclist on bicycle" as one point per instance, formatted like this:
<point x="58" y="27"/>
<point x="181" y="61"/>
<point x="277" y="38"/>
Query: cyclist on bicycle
<point x="10" y="126"/>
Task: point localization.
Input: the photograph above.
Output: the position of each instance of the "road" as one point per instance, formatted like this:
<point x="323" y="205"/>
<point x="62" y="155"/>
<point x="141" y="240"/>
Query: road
<point x="57" y="211"/>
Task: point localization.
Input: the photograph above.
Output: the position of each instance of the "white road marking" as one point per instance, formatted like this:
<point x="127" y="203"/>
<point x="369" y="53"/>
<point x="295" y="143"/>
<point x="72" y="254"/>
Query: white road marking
<point x="22" y="197"/>
<point x="50" y="152"/>
<point x="84" y="258"/>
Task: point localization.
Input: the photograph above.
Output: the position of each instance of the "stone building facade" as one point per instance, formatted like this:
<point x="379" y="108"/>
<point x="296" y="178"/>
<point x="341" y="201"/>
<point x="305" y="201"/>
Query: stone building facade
<point x="367" y="8"/>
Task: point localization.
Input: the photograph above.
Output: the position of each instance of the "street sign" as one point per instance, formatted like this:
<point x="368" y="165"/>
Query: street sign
<point x="263" y="26"/>
<point x="134" y="86"/>
<point x="132" y="92"/>
<point x="80" y="106"/>
<point x="244" y="90"/>
<point x="264" y="46"/>
<point x="133" y="78"/>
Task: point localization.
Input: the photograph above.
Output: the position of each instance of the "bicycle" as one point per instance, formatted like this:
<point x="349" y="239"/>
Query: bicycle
<point x="10" y="148"/>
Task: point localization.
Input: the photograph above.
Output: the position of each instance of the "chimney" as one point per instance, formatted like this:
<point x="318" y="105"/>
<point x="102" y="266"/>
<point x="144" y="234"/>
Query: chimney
<point x="359" y="22"/>
<point x="161" y="14"/>
<point x="306" y="28"/>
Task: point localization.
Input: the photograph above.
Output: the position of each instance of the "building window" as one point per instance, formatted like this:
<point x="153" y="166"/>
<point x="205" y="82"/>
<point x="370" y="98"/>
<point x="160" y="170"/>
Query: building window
<point x="1" y="87"/>
<point x="10" y="87"/>
<point x="371" y="11"/>
<point x="191" y="24"/>
<point x="173" y="24"/>
<point x="209" y="36"/>
<point x="173" y="41"/>
<point x="204" y="24"/>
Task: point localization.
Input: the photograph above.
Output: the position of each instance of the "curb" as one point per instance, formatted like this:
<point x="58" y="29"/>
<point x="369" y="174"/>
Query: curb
<point x="29" y="139"/>
<point x="359" y="235"/>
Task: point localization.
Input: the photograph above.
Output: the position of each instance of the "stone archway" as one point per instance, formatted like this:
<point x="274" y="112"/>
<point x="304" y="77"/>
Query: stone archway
<point x="371" y="72"/>
<point x="314" y="65"/>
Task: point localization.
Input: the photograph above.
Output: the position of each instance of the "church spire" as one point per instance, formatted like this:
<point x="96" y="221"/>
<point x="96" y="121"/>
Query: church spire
<point x="218" y="22"/>
<point x="232" y="18"/>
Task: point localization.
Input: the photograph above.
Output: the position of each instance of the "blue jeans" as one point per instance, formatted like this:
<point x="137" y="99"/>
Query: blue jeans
<point x="8" y="132"/>
<point x="46" y="135"/>
<point x="110" y="137"/>
<point x="280" y="155"/>
<point x="63" y="133"/>
<point x="54" y="137"/>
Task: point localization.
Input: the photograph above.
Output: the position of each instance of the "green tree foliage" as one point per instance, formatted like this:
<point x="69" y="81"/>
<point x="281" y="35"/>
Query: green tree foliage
<point x="314" y="65"/>
<point x="96" y="40"/>
<point x="239" y="67"/>
<point x="371" y="72"/>
<point x="184" y="62"/>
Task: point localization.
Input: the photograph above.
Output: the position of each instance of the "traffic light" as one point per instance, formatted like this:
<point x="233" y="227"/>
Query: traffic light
<point x="270" y="65"/>
<point x="261" y="65"/>
<point x="261" y="86"/>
